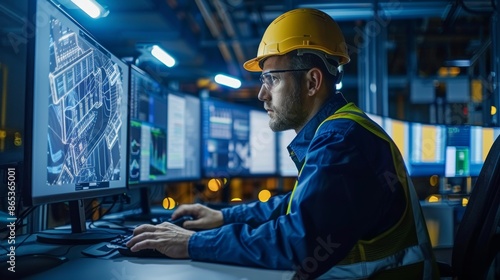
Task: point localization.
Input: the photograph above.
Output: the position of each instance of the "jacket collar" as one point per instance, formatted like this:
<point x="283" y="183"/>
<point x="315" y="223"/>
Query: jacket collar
<point x="299" y="145"/>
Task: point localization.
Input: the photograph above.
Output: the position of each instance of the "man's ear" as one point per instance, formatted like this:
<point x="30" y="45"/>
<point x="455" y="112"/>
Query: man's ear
<point x="314" y="79"/>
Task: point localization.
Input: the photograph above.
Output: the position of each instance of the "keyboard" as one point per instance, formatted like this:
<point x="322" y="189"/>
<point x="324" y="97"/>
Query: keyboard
<point x="105" y="248"/>
<point x="108" y="247"/>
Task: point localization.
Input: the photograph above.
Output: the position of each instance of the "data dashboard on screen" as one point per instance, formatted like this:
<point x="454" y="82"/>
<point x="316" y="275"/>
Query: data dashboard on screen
<point x="481" y="140"/>
<point x="165" y="135"/>
<point x="262" y="144"/>
<point x="148" y="129"/>
<point x="287" y="167"/>
<point x="78" y="101"/>
<point x="399" y="131"/>
<point x="236" y="141"/>
<point x="427" y="154"/>
<point x="458" y="145"/>
<point x="183" y="137"/>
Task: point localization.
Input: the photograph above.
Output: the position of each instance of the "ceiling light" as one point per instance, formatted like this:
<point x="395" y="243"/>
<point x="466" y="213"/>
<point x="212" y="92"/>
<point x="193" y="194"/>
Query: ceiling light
<point x="227" y="81"/>
<point x="162" y="56"/>
<point x="458" y="63"/>
<point x="92" y="8"/>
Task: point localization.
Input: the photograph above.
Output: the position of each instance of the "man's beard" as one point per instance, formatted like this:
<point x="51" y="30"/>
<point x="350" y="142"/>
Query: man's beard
<point x="290" y="115"/>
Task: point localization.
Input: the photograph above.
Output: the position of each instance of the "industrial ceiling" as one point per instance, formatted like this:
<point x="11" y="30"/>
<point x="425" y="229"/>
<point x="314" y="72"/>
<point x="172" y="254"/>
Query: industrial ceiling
<point x="207" y="37"/>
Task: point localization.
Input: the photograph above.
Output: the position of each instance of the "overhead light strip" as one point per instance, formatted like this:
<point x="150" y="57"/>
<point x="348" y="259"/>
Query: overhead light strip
<point x="91" y="8"/>
<point x="227" y="81"/>
<point x="162" y="56"/>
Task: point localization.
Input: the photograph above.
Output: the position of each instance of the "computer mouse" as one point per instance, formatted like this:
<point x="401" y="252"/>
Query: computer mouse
<point x="180" y="221"/>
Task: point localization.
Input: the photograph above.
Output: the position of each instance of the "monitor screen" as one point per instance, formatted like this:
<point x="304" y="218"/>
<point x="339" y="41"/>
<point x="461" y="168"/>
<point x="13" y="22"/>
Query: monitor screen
<point x="262" y="145"/>
<point x="399" y="131"/>
<point x="235" y="140"/>
<point x="148" y="129"/>
<point x="78" y="101"/>
<point x="458" y="140"/>
<point x="183" y="138"/>
<point x="481" y="140"/>
<point x="427" y="153"/>
<point x="287" y="167"/>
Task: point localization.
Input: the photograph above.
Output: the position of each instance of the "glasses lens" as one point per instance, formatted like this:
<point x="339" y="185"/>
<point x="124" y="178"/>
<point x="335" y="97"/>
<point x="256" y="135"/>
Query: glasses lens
<point x="268" y="80"/>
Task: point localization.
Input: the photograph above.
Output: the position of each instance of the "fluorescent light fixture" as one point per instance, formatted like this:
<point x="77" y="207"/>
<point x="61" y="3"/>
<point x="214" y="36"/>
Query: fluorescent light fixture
<point x="227" y="81"/>
<point x="458" y="63"/>
<point x="92" y="8"/>
<point x="162" y="56"/>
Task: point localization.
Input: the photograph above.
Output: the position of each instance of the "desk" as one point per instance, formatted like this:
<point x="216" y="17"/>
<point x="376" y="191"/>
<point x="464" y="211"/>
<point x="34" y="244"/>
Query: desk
<point x="134" y="268"/>
<point x="118" y="267"/>
<point x="442" y="219"/>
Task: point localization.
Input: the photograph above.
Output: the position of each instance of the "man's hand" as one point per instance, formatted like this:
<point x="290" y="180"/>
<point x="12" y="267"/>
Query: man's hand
<point x="204" y="217"/>
<point x="165" y="238"/>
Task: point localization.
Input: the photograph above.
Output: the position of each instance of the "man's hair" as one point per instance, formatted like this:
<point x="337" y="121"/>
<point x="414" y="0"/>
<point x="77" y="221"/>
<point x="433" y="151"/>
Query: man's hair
<point x="308" y="61"/>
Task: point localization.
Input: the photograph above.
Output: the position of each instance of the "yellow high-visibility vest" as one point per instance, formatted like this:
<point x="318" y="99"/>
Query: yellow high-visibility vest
<point x="404" y="251"/>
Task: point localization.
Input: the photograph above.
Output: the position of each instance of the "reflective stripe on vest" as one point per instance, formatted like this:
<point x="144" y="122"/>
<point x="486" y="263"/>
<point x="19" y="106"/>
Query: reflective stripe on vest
<point x="415" y="249"/>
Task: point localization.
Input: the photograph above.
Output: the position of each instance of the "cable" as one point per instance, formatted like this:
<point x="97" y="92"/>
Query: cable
<point x="115" y="199"/>
<point x="19" y="221"/>
<point x="27" y="237"/>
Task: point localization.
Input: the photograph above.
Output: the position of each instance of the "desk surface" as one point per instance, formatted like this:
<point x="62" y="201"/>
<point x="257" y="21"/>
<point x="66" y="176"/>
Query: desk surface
<point x="134" y="268"/>
<point x="118" y="267"/>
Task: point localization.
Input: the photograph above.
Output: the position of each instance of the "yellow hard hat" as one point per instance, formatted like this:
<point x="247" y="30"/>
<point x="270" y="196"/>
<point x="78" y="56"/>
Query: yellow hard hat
<point x="302" y="28"/>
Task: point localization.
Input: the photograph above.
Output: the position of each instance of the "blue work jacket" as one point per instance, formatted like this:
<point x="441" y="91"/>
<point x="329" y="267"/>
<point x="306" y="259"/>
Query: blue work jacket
<point x="342" y="195"/>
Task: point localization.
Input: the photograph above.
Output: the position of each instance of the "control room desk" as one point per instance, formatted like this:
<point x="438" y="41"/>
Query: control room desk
<point x="118" y="267"/>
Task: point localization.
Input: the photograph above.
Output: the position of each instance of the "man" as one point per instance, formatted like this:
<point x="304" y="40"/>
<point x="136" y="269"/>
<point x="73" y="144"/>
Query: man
<point x="353" y="212"/>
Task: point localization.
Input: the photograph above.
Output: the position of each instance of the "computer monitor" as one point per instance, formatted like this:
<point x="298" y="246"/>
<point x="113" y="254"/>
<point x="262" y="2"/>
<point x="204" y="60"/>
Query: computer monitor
<point x="165" y="135"/>
<point x="164" y="142"/>
<point x="235" y="139"/>
<point x="147" y="130"/>
<point x="262" y="145"/>
<point x="458" y="144"/>
<point x="183" y="137"/>
<point x="427" y="153"/>
<point x="286" y="165"/>
<point x="399" y="131"/>
<point x="481" y="141"/>
<point x="76" y="128"/>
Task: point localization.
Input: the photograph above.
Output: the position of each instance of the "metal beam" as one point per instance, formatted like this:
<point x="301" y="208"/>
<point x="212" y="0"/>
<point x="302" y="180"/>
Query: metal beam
<point x="372" y="67"/>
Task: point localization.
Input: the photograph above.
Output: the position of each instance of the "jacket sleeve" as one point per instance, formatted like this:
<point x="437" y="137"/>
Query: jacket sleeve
<point x="338" y="200"/>
<point x="256" y="213"/>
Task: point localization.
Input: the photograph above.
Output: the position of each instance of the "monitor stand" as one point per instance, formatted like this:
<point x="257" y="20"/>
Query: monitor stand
<point x="145" y="215"/>
<point x="78" y="233"/>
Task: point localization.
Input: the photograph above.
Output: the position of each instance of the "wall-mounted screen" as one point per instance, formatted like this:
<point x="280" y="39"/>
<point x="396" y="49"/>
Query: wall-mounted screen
<point x="482" y="139"/>
<point x="458" y="143"/>
<point x="262" y="145"/>
<point x="399" y="131"/>
<point x="286" y="165"/>
<point x="427" y="153"/>
<point x="236" y="141"/>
